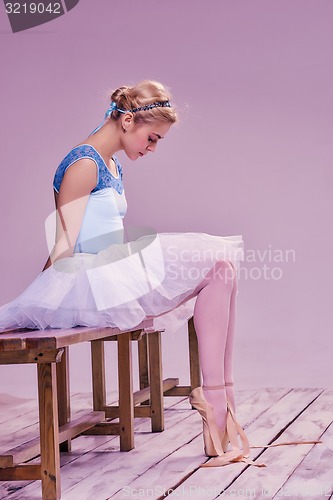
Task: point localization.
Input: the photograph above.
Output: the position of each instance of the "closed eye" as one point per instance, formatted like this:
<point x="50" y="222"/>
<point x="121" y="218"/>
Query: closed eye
<point x="152" y="140"/>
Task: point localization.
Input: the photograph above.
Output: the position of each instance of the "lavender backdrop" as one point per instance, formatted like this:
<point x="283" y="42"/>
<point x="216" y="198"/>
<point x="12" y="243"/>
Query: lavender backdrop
<point x="252" y="156"/>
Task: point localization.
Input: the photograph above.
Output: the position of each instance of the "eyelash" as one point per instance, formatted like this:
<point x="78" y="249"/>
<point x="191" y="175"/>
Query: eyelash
<point x="151" y="140"/>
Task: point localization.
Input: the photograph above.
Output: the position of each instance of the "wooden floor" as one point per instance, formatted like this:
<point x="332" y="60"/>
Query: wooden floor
<point x="168" y="463"/>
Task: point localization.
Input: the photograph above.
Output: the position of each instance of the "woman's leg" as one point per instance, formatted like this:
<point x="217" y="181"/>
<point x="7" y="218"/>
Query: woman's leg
<point x="228" y="355"/>
<point x="211" y="320"/>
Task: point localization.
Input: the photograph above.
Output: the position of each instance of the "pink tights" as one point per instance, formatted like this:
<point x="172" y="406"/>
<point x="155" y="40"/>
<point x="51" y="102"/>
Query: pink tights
<point x="214" y="321"/>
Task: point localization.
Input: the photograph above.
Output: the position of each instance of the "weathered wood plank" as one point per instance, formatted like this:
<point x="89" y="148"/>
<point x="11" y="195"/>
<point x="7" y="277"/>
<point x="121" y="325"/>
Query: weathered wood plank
<point x="262" y="430"/>
<point x="29" y="449"/>
<point x="313" y="478"/>
<point x="98" y="374"/>
<point x="81" y="402"/>
<point x="112" y="411"/>
<point x="282" y="460"/>
<point x="49" y="431"/>
<point x="86" y="448"/>
<point x="315" y="472"/>
<point x="21" y="472"/>
<point x="156" y="381"/>
<point x="150" y="449"/>
<point x="22" y="428"/>
<point x="176" y="466"/>
<point x="63" y="394"/>
<point x="195" y="372"/>
<point x="10" y="411"/>
<point x="30" y="356"/>
<point x="143" y="363"/>
<point x="101" y="454"/>
<point x="125" y="384"/>
<point x="49" y="339"/>
<point x="25" y="446"/>
<point x="7" y="488"/>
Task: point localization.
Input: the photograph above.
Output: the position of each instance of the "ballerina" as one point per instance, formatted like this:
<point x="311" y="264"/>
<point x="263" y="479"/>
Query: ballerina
<point x="93" y="277"/>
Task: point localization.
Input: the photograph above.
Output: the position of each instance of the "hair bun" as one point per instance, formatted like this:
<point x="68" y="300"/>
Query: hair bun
<point x="142" y="95"/>
<point x="120" y="96"/>
<point x="124" y="91"/>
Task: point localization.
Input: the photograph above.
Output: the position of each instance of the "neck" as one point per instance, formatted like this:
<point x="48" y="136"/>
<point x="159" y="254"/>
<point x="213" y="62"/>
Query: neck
<point x="107" y="140"/>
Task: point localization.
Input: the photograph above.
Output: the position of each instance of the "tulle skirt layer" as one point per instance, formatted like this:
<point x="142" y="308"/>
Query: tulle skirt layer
<point x="123" y="284"/>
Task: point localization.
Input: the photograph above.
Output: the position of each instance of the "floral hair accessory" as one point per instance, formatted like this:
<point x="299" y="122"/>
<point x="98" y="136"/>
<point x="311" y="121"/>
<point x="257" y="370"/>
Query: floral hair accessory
<point x="158" y="104"/>
<point x="113" y="107"/>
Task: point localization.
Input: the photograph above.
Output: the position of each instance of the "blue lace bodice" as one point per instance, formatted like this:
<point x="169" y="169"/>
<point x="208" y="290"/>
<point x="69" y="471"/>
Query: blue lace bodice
<point x="102" y="222"/>
<point x="104" y="177"/>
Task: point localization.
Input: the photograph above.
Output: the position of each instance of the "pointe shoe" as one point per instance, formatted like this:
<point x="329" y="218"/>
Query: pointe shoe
<point x="245" y="442"/>
<point x="214" y="438"/>
<point x="216" y="441"/>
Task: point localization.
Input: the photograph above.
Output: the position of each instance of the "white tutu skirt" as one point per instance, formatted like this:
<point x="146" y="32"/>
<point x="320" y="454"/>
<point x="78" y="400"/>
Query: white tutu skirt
<point x="123" y="284"/>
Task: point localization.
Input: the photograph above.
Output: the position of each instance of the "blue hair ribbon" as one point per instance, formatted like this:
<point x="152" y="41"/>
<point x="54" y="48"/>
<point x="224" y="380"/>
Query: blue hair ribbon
<point x="111" y="108"/>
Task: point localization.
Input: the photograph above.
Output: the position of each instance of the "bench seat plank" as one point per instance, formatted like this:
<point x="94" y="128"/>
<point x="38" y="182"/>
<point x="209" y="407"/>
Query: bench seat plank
<point x="49" y="339"/>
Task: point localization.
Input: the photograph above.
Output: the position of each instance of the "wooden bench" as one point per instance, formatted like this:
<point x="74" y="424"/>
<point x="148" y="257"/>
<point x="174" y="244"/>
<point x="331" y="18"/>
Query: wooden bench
<point x="148" y="401"/>
<point x="49" y="350"/>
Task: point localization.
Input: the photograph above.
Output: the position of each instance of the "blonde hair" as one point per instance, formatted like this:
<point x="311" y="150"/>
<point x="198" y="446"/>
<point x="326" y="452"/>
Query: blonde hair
<point x="144" y="93"/>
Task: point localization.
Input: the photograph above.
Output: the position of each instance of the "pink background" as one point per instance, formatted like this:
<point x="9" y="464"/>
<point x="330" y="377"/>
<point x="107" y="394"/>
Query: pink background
<point x="252" y="155"/>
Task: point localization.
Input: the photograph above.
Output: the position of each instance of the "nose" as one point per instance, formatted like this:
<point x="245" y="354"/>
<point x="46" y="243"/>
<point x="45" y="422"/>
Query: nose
<point x="151" y="147"/>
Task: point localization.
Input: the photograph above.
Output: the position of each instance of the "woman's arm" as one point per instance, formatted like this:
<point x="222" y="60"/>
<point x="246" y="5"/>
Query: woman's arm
<point x="78" y="182"/>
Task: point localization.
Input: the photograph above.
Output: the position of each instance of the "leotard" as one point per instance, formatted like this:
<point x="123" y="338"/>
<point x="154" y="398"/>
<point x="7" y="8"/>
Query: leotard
<point x="102" y="222"/>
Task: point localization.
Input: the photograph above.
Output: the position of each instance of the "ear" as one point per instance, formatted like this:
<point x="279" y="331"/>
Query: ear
<point x="127" y="120"/>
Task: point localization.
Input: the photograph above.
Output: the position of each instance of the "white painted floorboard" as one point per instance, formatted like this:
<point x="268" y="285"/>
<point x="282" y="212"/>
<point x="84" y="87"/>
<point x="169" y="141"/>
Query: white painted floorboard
<point x="168" y="463"/>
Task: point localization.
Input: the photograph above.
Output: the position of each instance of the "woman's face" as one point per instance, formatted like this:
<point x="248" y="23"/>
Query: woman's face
<point x="140" y="139"/>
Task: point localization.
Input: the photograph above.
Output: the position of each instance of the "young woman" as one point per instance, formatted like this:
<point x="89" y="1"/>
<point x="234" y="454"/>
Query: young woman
<point x="93" y="277"/>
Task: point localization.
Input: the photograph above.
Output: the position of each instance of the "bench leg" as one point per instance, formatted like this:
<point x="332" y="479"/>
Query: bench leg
<point x="143" y="365"/>
<point x="156" y="381"/>
<point x="125" y="384"/>
<point x="63" y="391"/>
<point x="98" y="374"/>
<point x="195" y="378"/>
<point x="49" y="431"/>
